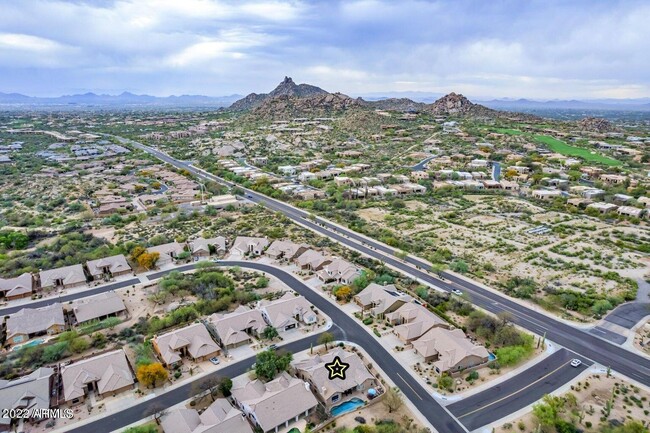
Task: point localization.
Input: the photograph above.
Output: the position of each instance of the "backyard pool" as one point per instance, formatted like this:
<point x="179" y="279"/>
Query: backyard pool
<point x="491" y="356"/>
<point x="30" y="344"/>
<point x="346" y="407"/>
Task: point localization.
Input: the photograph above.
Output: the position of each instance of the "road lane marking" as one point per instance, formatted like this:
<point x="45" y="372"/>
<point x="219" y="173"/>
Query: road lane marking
<point x="407" y="384"/>
<point x="516" y="392"/>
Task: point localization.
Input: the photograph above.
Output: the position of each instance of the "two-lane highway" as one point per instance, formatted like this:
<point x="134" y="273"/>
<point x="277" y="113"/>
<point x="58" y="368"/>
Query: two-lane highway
<point x="630" y="364"/>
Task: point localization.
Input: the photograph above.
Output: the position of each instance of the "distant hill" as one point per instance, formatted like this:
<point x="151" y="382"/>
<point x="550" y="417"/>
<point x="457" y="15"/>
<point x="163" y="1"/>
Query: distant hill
<point x="640" y="104"/>
<point x="286" y="88"/>
<point x="123" y="99"/>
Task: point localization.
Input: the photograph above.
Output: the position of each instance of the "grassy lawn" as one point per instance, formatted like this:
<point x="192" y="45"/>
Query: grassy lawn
<point x="565" y="149"/>
<point x="508" y="131"/>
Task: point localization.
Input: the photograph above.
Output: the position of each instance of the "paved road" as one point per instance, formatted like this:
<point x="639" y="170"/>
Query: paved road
<point x="628" y="315"/>
<point x="511" y="395"/>
<point x="347" y="329"/>
<point x="605" y="333"/>
<point x="142" y="410"/>
<point x="590" y="346"/>
<point x="70" y="297"/>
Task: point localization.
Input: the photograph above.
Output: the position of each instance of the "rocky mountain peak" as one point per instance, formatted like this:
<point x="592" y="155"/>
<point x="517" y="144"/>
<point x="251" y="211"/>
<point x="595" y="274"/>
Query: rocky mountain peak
<point x="287" y="87"/>
<point x="595" y="124"/>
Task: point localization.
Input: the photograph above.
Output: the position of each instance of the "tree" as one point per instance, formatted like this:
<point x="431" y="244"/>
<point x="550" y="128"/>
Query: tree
<point x="459" y="266"/>
<point x="270" y="333"/>
<point x="445" y="382"/>
<point x="269" y="363"/>
<point x="225" y="386"/>
<point x="207" y="386"/>
<point x="393" y="399"/>
<point x="78" y="345"/>
<point x="548" y="411"/>
<point x="136" y="252"/>
<point x="148" y="260"/>
<point x="150" y="374"/>
<point x="438" y="268"/>
<point x="325" y="338"/>
<point x="343" y="293"/>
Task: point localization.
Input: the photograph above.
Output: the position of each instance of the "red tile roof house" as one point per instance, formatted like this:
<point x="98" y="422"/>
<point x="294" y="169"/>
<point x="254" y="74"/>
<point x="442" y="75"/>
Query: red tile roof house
<point x="18" y="287"/>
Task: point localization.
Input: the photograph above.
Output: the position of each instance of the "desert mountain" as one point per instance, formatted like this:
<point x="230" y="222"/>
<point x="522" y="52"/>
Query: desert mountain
<point x="286" y="88"/>
<point x="595" y="124"/>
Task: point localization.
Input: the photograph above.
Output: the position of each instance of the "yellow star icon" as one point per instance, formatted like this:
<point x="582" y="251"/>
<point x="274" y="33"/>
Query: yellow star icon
<point x="336" y="368"/>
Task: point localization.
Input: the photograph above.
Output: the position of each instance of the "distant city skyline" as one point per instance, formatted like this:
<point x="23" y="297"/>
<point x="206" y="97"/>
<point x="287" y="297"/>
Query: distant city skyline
<point x="502" y="49"/>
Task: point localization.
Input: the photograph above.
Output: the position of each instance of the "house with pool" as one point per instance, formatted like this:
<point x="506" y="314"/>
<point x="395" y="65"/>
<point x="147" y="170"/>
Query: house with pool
<point x="357" y="383"/>
<point x="31" y="322"/>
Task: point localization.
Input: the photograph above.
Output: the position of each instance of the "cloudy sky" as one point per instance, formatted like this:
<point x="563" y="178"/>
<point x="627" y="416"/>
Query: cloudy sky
<point x="537" y="49"/>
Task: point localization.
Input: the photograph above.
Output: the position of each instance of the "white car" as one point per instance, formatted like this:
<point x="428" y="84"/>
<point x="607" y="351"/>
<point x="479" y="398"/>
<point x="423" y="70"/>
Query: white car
<point x="214" y="360"/>
<point x="457" y="292"/>
<point x="576" y="362"/>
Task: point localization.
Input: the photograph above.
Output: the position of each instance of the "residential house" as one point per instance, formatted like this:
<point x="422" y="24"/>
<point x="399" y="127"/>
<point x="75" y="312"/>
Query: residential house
<point x="18" y="287"/>
<point x="412" y="320"/>
<point x="245" y="245"/>
<point x="630" y="211"/>
<point x="274" y="405"/>
<point x="450" y="350"/>
<point x="30" y="322"/>
<point x="113" y="266"/>
<point x="193" y="341"/>
<point x="613" y="179"/>
<point x="168" y="252"/>
<point x="202" y="247"/>
<point x="312" y="260"/>
<point x="219" y="417"/>
<point x="339" y="270"/>
<point x="97" y="307"/>
<point x="379" y="300"/>
<point x="285" y="313"/>
<point x="545" y="194"/>
<point x="286" y="250"/>
<point x="102" y="375"/>
<point x="603" y="207"/>
<point x="236" y="328"/>
<point x="64" y="278"/>
<point x="30" y="393"/>
<point x="313" y="371"/>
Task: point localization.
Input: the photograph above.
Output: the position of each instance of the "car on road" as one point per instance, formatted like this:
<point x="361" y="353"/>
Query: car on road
<point x="576" y="362"/>
<point x="457" y="292"/>
<point x="360" y="419"/>
<point x="273" y="346"/>
<point x="214" y="360"/>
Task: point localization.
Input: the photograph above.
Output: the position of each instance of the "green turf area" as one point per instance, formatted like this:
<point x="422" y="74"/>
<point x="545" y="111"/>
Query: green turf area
<point x="508" y="131"/>
<point x="561" y="147"/>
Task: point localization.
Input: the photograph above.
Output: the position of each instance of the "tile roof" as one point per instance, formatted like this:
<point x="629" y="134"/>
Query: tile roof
<point x="17" y="286"/>
<point x="195" y="337"/>
<point x="282" y="312"/>
<point x="34" y="320"/>
<point x="315" y="369"/>
<point x="109" y="370"/>
<point x="277" y="401"/>
<point x="231" y="327"/>
<point x="69" y="274"/>
<point x="219" y="417"/>
<point x="451" y="346"/>
<point x="28" y="392"/>
<point x="92" y="307"/>
<point x="115" y="264"/>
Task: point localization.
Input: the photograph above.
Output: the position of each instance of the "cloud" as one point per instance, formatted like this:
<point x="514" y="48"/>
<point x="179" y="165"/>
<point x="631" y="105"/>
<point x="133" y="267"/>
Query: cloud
<point x="503" y="48"/>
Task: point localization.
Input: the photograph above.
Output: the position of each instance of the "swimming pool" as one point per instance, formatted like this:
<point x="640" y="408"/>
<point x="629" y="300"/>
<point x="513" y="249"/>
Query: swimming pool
<point x="346" y="407"/>
<point x="30" y="344"/>
<point x="491" y="356"/>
